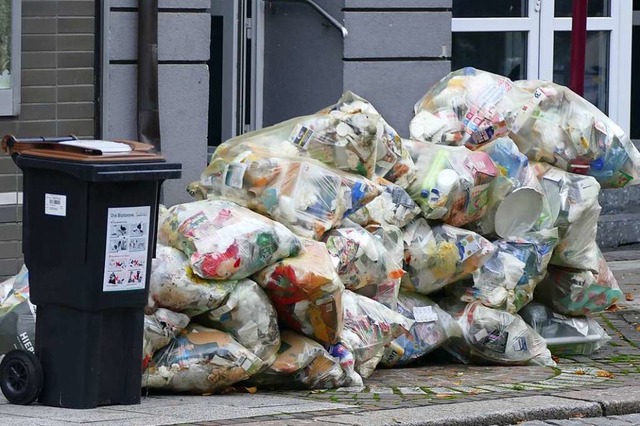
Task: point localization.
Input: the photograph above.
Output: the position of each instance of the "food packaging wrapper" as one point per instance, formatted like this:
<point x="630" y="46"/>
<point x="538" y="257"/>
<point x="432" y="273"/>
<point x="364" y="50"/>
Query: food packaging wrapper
<point x="307" y="196"/>
<point x="301" y="363"/>
<point x="394" y="206"/>
<point x="574" y="209"/>
<point x="508" y="279"/>
<point x="452" y="183"/>
<point x="200" y="360"/>
<point x="441" y="254"/>
<point x="368" y="327"/>
<point x="577" y="293"/>
<point x="159" y="329"/>
<point x="363" y="262"/>
<point x="558" y="127"/>
<point x="225" y="241"/>
<point x="565" y="335"/>
<point x="432" y="328"/>
<point x="174" y="286"/>
<point x="496" y="337"/>
<point x="17" y="314"/>
<point x="307" y="292"/>
<point x="249" y="316"/>
<point x="467" y="107"/>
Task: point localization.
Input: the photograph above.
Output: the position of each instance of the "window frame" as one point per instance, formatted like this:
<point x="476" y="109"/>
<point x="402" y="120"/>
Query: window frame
<point x="10" y="98"/>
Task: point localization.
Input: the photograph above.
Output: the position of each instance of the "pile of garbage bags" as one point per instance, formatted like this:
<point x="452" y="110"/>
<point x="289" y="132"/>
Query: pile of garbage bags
<point x="327" y="246"/>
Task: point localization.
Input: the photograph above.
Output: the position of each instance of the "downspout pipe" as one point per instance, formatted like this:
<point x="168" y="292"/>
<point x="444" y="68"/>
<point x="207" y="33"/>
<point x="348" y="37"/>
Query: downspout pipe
<point x="578" y="45"/>
<point x="148" y="104"/>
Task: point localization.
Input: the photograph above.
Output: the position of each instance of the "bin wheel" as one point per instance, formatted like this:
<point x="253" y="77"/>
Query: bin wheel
<point x="21" y="377"/>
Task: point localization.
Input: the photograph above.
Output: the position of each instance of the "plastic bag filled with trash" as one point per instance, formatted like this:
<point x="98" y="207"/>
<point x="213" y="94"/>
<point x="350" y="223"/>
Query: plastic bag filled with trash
<point x="200" y="360"/>
<point x="307" y="292"/>
<point x="393" y="161"/>
<point x="17" y="314"/>
<point x="432" y="328"/>
<point x="565" y="335"/>
<point x="516" y="200"/>
<point x="363" y="262"/>
<point x="441" y="254"/>
<point x="248" y="315"/>
<point x="496" y="337"/>
<point x="574" y="209"/>
<point x="368" y="327"/>
<point x="452" y="183"/>
<point x="159" y="329"/>
<point x="467" y="107"/>
<point x="301" y="363"/>
<point x="508" y="279"/>
<point x="174" y="286"/>
<point x="226" y="241"/>
<point x="394" y="206"/>
<point x="270" y="178"/>
<point x="560" y="128"/>
<point x="574" y="292"/>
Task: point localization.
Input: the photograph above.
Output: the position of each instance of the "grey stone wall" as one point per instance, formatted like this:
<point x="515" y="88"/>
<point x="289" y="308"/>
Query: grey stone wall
<point x="184" y="29"/>
<point x="57" y="98"/>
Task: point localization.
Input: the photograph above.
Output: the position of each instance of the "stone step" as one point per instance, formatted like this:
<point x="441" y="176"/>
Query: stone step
<point x="618" y="229"/>
<point x="620" y="200"/>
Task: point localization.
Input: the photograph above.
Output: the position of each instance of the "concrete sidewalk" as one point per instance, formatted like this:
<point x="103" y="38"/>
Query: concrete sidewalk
<point x="604" y="384"/>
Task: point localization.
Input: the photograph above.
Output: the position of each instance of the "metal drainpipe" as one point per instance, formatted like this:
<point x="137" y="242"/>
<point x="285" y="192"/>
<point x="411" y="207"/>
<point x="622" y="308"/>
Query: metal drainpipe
<point x="578" y="45"/>
<point x="148" y="108"/>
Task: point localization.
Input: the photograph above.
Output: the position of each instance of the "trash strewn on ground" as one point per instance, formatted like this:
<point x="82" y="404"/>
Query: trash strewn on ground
<point x="305" y="260"/>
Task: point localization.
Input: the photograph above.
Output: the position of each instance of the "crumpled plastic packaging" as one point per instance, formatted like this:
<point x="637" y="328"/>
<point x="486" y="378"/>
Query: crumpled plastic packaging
<point x="467" y="107"/>
<point x="392" y="160"/>
<point x="452" y="183"/>
<point x="347" y="361"/>
<point x="174" y="286"/>
<point x="496" y="337"/>
<point x="363" y="262"/>
<point x="441" y="254"/>
<point x="508" y="279"/>
<point x="200" y="360"/>
<point x="301" y="363"/>
<point x="560" y="128"/>
<point x="247" y="315"/>
<point x="577" y="293"/>
<point x="159" y="328"/>
<point x="270" y="177"/>
<point x="368" y="327"/>
<point x="518" y="213"/>
<point x="432" y="328"/>
<point x="225" y="241"/>
<point x="394" y="206"/>
<point x="307" y="292"/>
<point x="565" y="335"/>
<point x="574" y="209"/>
<point x="17" y="314"/>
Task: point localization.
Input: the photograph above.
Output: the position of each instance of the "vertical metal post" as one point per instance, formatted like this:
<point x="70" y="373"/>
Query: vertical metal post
<point x="578" y="45"/>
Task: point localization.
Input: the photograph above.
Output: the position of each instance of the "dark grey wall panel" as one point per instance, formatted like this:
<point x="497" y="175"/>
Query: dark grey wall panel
<point x="393" y="87"/>
<point x="397" y="34"/>
<point x="302" y="60"/>
<point x="394" y="4"/>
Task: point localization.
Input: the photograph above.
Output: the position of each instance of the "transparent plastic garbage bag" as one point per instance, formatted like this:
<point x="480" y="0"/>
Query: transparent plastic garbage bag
<point x="441" y="254"/>
<point x="159" y="328"/>
<point x="306" y="292"/>
<point x="226" y="241"/>
<point x="394" y="206"/>
<point x="17" y="314"/>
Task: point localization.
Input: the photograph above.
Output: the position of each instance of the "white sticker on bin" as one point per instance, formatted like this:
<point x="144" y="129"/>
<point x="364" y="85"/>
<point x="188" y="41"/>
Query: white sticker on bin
<point x="424" y="314"/>
<point x="125" y="263"/>
<point x="55" y="204"/>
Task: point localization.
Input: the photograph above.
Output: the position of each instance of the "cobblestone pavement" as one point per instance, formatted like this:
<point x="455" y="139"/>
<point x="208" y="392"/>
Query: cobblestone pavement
<point x="626" y="420"/>
<point x="438" y="381"/>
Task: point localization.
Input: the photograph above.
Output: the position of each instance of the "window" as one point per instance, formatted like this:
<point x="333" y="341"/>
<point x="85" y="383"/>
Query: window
<point x="10" y="13"/>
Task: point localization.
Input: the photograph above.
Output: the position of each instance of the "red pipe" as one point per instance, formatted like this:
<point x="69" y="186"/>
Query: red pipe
<point x="578" y="45"/>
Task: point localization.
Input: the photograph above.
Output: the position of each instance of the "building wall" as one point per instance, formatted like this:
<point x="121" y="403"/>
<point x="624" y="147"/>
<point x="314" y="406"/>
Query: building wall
<point x="184" y="30"/>
<point x="57" y="98"/>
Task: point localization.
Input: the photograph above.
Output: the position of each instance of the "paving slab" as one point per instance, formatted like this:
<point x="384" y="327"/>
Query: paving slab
<point x="614" y="401"/>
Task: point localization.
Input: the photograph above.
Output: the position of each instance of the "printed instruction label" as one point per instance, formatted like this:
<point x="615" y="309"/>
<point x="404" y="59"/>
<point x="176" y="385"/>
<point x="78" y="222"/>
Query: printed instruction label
<point x="55" y="204"/>
<point x="424" y="314"/>
<point x="125" y="263"/>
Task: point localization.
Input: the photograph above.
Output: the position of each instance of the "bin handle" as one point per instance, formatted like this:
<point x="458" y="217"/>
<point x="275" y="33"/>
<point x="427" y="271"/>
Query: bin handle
<point x="10" y="141"/>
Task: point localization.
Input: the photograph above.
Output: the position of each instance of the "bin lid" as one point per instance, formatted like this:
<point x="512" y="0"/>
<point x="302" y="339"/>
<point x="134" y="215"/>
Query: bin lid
<point x="73" y="149"/>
